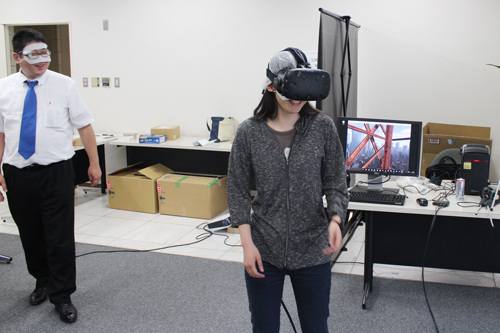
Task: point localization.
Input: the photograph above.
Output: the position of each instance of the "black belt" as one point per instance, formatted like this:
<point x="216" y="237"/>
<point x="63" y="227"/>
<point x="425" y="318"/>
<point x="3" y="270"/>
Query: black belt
<point x="34" y="166"/>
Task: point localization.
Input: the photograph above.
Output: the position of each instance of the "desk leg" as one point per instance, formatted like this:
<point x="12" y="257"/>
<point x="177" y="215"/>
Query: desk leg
<point x="102" y="165"/>
<point x="368" y="276"/>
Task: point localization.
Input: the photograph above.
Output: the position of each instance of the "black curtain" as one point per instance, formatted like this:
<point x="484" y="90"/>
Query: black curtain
<point x="338" y="55"/>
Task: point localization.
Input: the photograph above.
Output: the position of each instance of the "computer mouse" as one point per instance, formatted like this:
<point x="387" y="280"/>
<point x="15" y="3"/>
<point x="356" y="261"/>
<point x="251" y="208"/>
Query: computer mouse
<point x="422" y="201"/>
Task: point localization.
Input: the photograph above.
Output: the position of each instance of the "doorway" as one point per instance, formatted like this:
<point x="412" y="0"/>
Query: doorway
<point x="57" y="36"/>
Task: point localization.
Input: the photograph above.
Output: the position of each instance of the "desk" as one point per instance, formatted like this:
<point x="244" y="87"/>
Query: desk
<point x="179" y="155"/>
<point x="81" y="162"/>
<point x="460" y="239"/>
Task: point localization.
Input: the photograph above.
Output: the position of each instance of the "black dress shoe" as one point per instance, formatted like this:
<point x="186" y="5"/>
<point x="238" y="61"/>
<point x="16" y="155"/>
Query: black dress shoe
<point x="67" y="312"/>
<point x="38" y="296"/>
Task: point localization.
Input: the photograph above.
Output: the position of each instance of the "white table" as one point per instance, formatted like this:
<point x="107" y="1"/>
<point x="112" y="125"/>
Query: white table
<point x="179" y="155"/>
<point x="184" y="142"/>
<point x="460" y="239"/>
<point x="81" y="161"/>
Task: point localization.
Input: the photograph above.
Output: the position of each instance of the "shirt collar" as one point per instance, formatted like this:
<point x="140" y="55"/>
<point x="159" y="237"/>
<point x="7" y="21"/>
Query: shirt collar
<point x="41" y="80"/>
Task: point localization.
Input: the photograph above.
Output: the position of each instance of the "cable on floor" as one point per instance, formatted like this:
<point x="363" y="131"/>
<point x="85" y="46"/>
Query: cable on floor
<point x="200" y="238"/>
<point x="289" y="317"/>
<point x="225" y="239"/>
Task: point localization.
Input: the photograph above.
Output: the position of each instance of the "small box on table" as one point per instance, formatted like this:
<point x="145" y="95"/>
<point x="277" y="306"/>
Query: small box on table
<point x="152" y="138"/>
<point x="172" y="132"/>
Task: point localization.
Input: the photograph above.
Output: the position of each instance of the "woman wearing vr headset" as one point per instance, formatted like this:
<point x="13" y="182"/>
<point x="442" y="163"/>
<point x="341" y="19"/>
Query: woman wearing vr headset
<point x="292" y="153"/>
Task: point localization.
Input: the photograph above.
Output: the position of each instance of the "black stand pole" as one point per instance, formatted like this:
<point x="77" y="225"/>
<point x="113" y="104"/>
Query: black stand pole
<point x="368" y="276"/>
<point x="346" y="54"/>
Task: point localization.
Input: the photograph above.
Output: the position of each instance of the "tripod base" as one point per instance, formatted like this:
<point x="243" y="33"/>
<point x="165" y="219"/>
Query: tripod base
<point x="5" y="259"/>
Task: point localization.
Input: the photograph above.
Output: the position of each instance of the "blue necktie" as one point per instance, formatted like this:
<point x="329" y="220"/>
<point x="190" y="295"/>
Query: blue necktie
<point x="28" y="124"/>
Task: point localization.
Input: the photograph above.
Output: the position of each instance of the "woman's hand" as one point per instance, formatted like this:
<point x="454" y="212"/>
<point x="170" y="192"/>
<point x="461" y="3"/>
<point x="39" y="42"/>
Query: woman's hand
<point x="335" y="236"/>
<point x="252" y="261"/>
<point x="251" y="255"/>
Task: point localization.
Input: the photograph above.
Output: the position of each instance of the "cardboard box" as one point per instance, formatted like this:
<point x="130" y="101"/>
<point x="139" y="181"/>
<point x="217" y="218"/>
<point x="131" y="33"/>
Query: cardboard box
<point x="152" y="138"/>
<point x="192" y="195"/>
<point x="134" y="188"/>
<point x="77" y="142"/>
<point x="172" y="132"/>
<point x="438" y="137"/>
<point x="233" y="230"/>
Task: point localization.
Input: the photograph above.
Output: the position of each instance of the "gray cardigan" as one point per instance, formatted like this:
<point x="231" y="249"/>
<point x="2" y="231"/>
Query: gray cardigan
<point x="288" y="221"/>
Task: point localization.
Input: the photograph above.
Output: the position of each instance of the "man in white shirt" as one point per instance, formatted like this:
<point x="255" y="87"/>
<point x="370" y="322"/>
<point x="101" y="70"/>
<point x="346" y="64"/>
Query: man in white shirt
<point x="38" y="111"/>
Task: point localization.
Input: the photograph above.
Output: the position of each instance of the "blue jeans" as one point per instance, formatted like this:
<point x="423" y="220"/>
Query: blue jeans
<point x="311" y="286"/>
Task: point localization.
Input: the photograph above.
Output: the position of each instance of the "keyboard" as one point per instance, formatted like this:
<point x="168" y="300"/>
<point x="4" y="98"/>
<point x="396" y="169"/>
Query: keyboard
<point x="377" y="198"/>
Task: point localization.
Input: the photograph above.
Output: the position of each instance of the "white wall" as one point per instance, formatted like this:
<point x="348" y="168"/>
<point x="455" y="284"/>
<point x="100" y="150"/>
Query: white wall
<point x="182" y="61"/>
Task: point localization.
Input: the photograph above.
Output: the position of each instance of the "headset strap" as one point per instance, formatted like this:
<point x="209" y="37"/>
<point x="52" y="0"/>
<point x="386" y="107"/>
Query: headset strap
<point x="299" y="56"/>
<point x="270" y="75"/>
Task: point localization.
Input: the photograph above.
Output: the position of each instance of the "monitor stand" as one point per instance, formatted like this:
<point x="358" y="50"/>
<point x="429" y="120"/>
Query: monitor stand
<point x="374" y="185"/>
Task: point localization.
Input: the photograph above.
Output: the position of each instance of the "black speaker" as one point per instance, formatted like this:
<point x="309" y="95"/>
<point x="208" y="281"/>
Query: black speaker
<point x="487" y="196"/>
<point x="475" y="167"/>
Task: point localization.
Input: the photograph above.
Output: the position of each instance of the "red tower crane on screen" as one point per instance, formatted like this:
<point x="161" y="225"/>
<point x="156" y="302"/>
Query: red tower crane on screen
<point x="383" y="153"/>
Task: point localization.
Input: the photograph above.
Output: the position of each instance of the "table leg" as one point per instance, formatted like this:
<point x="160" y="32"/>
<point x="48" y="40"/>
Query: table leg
<point x="368" y="274"/>
<point x="102" y="165"/>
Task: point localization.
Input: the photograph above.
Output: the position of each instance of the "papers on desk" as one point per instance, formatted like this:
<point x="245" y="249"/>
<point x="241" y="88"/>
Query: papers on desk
<point x="125" y="139"/>
<point x="205" y="143"/>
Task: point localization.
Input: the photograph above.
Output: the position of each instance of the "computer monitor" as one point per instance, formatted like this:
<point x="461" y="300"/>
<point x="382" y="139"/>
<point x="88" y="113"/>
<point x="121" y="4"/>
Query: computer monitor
<point x="378" y="147"/>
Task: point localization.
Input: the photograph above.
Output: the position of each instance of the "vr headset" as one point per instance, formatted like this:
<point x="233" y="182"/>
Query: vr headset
<point x="301" y="84"/>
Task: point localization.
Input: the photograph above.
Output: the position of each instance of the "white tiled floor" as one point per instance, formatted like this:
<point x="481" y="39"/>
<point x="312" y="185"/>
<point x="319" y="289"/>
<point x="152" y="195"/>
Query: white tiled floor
<point x="97" y="224"/>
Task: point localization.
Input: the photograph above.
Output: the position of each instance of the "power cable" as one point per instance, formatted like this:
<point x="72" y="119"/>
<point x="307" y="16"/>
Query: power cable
<point x="200" y="238"/>
<point x="289" y="317"/>
<point x="423" y="268"/>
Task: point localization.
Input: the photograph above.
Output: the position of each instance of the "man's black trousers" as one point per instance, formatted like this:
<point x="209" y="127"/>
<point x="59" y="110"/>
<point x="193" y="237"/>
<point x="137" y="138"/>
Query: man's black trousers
<point x="42" y="204"/>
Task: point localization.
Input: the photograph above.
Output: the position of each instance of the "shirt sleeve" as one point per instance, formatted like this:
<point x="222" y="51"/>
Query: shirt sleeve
<point x="334" y="175"/>
<point x="78" y="111"/>
<point x="240" y="177"/>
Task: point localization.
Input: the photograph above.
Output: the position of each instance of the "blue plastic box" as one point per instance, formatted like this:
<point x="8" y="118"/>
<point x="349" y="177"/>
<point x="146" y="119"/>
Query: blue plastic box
<point x="152" y="138"/>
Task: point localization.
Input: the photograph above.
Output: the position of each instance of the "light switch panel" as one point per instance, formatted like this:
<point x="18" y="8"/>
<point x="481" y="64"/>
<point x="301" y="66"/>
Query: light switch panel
<point x="95" y="82"/>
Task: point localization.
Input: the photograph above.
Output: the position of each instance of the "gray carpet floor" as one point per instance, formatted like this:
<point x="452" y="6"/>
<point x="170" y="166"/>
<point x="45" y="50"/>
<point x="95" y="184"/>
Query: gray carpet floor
<point x="152" y="292"/>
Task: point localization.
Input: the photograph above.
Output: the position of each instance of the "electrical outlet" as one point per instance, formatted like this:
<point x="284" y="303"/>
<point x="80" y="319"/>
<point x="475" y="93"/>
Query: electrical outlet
<point x="85" y="82"/>
<point x="117" y="82"/>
